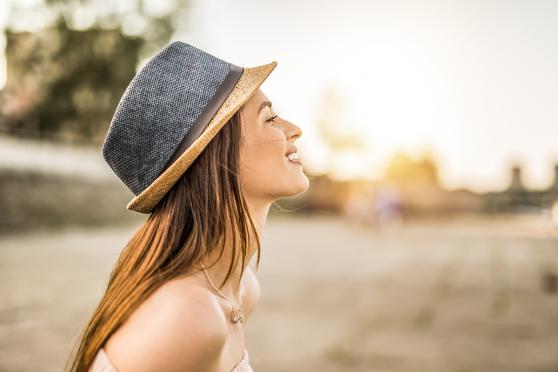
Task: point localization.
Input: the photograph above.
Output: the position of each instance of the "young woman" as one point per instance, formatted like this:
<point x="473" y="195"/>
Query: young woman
<point x="199" y="144"/>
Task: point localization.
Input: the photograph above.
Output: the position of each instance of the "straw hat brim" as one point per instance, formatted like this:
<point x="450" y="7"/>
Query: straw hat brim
<point x="245" y="88"/>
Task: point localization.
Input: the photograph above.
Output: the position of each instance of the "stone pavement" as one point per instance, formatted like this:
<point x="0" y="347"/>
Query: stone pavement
<point x="436" y="296"/>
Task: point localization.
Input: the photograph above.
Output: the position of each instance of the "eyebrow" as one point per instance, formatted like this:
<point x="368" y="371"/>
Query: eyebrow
<point x="264" y="104"/>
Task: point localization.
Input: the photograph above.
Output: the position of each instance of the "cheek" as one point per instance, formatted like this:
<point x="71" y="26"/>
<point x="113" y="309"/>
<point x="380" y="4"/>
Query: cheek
<point x="262" y="160"/>
<point x="258" y="156"/>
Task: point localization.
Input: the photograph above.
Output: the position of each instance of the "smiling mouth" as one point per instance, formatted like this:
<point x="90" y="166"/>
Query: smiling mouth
<point x="293" y="158"/>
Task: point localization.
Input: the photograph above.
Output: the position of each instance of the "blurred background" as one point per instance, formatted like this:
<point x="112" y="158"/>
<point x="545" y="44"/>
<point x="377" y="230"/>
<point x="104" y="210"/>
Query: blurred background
<point x="428" y="239"/>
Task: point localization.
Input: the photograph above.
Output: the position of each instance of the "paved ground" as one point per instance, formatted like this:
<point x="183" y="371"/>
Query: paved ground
<point x="447" y="297"/>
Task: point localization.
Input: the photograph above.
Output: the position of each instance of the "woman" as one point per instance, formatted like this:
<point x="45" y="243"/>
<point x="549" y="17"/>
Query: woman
<point x="198" y="143"/>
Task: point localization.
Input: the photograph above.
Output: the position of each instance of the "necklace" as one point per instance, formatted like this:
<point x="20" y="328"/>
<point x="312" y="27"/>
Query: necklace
<point x="237" y="314"/>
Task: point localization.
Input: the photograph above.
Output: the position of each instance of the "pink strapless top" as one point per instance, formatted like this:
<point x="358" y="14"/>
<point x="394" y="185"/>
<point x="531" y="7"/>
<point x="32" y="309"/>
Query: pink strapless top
<point x="103" y="364"/>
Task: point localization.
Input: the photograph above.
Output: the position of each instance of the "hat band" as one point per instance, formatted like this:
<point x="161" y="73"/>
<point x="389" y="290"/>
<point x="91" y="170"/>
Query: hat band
<point x="208" y="112"/>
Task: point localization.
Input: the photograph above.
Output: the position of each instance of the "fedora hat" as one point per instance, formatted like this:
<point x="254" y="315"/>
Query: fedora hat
<point x="176" y="103"/>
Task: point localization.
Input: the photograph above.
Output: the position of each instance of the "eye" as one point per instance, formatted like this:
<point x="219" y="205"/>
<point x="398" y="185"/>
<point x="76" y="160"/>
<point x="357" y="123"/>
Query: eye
<point x="272" y="119"/>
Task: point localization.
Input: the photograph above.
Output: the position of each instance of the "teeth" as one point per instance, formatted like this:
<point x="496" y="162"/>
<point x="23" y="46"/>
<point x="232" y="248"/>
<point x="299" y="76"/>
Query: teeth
<point x="293" y="156"/>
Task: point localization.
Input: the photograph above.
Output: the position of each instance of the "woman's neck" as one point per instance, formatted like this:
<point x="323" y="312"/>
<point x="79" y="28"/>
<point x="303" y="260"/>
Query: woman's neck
<point x="218" y="272"/>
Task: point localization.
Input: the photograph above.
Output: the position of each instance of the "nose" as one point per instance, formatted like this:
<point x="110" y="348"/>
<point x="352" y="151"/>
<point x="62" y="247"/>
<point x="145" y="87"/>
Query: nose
<point x="292" y="131"/>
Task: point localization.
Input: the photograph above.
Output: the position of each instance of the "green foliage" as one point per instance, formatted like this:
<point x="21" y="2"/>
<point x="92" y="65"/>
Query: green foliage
<point x="65" y="81"/>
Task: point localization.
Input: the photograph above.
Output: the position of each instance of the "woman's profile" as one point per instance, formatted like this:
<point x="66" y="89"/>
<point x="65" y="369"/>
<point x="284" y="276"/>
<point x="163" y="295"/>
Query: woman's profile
<point x="200" y="146"/>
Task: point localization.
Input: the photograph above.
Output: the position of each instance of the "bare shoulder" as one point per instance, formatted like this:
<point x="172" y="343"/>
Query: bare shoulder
<point x="178" y="328"/>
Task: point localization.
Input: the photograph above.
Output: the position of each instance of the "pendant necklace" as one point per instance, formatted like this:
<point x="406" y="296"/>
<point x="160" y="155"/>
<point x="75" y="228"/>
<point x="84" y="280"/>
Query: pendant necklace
<point x="237" y="314"/>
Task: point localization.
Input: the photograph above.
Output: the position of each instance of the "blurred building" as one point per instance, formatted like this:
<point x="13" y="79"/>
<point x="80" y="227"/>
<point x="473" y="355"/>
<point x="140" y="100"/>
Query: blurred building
<point x="64" y="83"/>
<point x="420" y="191"/>
<point x="516" y="197"/>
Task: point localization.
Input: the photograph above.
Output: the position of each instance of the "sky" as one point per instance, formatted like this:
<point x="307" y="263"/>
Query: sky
<point x="473" y="82"/>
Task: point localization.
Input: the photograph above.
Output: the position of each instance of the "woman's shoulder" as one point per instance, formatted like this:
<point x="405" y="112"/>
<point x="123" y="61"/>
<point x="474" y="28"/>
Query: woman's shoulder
<point x="178" y="327"/>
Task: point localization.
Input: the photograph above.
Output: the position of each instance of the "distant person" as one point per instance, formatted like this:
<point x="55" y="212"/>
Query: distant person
<point x="200" y="146"/>
<point x="388" y="209"/>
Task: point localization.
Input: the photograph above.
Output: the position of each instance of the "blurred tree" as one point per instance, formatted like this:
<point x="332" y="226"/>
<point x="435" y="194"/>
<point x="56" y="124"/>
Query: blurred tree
<point x="154" y="21"/>
<point x="403" y="170"/>
<point x="65" y="80"/>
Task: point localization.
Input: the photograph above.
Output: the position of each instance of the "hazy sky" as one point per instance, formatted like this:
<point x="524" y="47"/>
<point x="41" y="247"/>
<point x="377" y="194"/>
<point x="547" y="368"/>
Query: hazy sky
<point x="474" y="81"/>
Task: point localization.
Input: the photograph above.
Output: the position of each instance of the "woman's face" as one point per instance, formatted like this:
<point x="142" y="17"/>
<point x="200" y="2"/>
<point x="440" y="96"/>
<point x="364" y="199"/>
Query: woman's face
<point x="265" y="171"/>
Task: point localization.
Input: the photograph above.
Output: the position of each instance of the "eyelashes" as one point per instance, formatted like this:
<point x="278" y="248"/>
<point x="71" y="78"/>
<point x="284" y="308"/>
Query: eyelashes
<point x="272" y="119"/>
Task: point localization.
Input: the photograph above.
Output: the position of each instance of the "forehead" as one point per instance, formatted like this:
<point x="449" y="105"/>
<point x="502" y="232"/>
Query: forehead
<point x="252" y="106"/>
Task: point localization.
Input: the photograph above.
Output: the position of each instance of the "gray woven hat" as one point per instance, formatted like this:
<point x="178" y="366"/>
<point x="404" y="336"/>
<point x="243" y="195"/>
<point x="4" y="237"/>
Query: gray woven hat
<point x="171" y="109"/>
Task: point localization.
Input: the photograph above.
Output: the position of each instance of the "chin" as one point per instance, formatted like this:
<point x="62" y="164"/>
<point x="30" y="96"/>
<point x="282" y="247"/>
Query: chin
<point x="300" y="185"/>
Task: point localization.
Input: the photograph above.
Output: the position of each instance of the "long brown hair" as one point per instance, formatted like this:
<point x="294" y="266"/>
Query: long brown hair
<point x="188" y="224"/>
